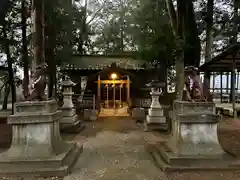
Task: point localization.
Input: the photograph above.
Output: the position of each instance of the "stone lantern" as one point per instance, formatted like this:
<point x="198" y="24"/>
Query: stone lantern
<point x="155" y="112"/>
<point x="67" y="86"/>
<point x="69" y="122"/>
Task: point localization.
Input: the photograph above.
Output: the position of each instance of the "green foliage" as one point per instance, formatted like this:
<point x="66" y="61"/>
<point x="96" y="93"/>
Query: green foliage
<point x="222" y="23"/>
<point x="139" y="26"/>
<point x="152" y="32"/>
<point x="105" y="26"/>
<point x="9" y="24"/>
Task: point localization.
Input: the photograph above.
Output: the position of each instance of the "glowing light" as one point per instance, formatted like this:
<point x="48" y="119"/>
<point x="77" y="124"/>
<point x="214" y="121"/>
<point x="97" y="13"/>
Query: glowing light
<point x="114" y="76"/>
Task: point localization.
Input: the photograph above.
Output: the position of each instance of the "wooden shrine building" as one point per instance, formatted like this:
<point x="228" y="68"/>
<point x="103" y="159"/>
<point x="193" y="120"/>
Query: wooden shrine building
<point x="223" y="65"/>
<point x="227" y="66"/>
<point x="115" y="80"/>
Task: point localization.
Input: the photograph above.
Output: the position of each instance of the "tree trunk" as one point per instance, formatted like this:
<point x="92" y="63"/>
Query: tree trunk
<point x="25" y="50"/>
<point x="180" y="50"/>
<point x="50" y="39"/>
<point x="80" y="45"/>
<point x="10" y="63"/>
<point x="84" y="32"/>
<point x="209" y="39"/>
<point x="121" y="39"/>
<point x="192" y="47"/>
<point x="38" y="39"/>
<point x="177" y="23"/>
<point x="6" y="94"/>
<point x="121" y="29"/>
<point x="208" y="47"/>
<point x="55" y="84"/>
<point x="172" y="15"/>
<point x="50" y="59"/>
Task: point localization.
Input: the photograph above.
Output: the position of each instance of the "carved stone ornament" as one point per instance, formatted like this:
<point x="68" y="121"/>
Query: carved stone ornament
<point x="38" y="85"/>
<point x="193" y="86"/>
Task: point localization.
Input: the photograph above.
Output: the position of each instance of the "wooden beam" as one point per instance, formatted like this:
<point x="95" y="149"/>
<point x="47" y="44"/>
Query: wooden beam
<point x="112" y="81"/>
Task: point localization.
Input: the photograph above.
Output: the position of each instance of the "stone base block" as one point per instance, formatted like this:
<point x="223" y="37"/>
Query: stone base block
<point x="138" y="114"/>
<point x="155" y="123"/>
<point x="93" y="115"/>
<point x="155" y="119"/>
<point x="155" y="112"/>
<point x="69" y="119"/>
<point x="168" y="161"/>
<point x="196" y="134"/>
<point x="5" y="113"/>
<point x="59" y="165"/>
<point x="75" y="127"/>
<point x="68" y="112"/>
<point x="156" y="126"/>
<point x="86" y="114"/>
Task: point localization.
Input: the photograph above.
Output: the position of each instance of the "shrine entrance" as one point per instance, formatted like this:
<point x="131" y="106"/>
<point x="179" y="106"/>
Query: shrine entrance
<point x="114" y="95"/>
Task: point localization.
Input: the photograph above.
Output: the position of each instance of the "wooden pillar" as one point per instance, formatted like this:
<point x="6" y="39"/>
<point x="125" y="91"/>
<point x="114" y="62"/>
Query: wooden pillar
<point x="120" y="95"/>
<point x="227" y="82"/>
<point x="221" y="86"/>
<point x="213" y="87"/>
<point x="128" y="89"/>
<point x="107" y="97"/>
<point x="233" y="85"/>
<point x="114" y="95"/>
<point x="237" y="81"/>
<point x="99" y="92"/>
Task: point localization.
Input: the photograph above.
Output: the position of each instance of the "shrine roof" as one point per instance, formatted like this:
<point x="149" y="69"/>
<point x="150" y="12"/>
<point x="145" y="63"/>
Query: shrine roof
<point x="100" y="62"/>
<point x="223" y="62"/>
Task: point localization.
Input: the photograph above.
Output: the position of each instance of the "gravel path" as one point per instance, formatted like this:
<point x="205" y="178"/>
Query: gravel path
<point x="111" y="155"/>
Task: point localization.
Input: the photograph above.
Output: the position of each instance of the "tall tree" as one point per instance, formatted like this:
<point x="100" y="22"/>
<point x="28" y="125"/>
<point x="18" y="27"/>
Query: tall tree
<point x="209" y="31"/>
<point x="38" y="32"/>
<point x="192" y="49"/>
<point x="6" y="43"/>
<point x="50" y="41"/>
<point x="208" y="48"/>
<point x="24" y="15"/>
<point x="177" y="21"/>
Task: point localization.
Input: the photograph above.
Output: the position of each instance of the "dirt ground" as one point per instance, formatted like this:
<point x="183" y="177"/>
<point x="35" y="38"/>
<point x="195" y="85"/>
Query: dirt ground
<point x="116" y="124"/>
<point x="114" y="148"/>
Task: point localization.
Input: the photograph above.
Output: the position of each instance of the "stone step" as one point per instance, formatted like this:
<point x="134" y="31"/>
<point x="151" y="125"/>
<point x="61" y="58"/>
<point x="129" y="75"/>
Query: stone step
<point x="155" y="112"/>
<point x="155" y="119"/>
<point x="170" y="162"/>
<point x="76" y="127"/>
<point x="56" y="166"/>
<point x="173" y="159"/>
<point x="73" y="155"/>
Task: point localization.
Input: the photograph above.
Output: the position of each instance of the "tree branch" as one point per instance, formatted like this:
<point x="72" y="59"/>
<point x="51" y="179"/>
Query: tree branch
<point x="95" y="14"/>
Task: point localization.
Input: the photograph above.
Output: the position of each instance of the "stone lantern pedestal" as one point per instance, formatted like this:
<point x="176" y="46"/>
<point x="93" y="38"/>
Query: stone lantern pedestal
<point x="155" y="117"/>
<point x="69" y="121"/>
<point x="37" y="148"/>
<point x="194" y="143"/>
